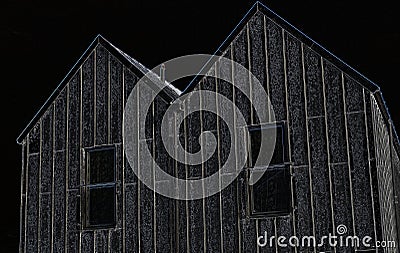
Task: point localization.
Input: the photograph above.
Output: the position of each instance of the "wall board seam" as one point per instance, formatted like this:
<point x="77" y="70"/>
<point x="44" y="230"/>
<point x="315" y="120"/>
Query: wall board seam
<point x="308" y="145"/>
<point x="328" y="147"/>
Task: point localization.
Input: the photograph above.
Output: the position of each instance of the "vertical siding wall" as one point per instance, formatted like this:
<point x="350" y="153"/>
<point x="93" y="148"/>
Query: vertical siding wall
<point x="87" y="113"/>
<point x="329" y="138"/>
<point x="336" y="162"/>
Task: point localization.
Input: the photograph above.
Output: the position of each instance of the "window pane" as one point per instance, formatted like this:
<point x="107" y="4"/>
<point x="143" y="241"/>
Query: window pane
<point x="101" y="206"/>
<point x="101" y="166"/>
<point x="271" y="194"/>
<point x="255" y="138"/>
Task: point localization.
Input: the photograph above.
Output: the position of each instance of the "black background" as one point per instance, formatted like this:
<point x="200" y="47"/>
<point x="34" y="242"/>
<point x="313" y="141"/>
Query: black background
<point x="40" y="42"/>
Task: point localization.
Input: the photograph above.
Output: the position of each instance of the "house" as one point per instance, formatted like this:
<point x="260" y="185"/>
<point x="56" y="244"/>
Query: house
<point x="336" y="162"/>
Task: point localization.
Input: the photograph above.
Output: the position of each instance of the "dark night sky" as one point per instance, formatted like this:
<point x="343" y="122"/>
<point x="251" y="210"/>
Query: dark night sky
<point x="40" y="42"/>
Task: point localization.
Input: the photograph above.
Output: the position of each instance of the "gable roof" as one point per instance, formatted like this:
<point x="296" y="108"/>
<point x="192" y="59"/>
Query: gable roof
<point x="136" y="67"/>
<point x="140" y="69"/>
<point x="306" y="40"/>
<point x="319" y="49"/>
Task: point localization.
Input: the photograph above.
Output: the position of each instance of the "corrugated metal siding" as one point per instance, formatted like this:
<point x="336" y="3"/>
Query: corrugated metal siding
<point x="396" y="183"/>
<point x="385" y="176"/>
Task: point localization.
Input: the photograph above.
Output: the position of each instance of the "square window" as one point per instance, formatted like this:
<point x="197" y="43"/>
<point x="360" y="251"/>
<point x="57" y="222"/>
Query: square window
<point x="271" y="193"/>
<point x="101" y="166"/>
<point x="278" y="156"/>
<point x="100" y="188"/>
<point x="101" y="206"/>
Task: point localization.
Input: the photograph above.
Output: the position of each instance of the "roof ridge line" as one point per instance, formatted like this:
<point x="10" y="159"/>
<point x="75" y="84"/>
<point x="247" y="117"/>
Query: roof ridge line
<point x="57" y="89"/>
<point x="316" y="43"/>
<point x="126" y="59"/>
<point x="281" y="22"/>
<point x="248" y="14"/>
<point x="145" y="70"/>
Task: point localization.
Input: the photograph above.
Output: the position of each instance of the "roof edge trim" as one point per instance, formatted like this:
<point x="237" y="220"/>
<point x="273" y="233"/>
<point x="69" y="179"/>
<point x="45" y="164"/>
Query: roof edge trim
<point x="128" y="62"/>
<point x="58" y="89"/>
<point x="305" y="39"/>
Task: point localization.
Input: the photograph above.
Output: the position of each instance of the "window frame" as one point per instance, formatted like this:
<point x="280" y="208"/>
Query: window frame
<point x="87" y="186"/>
<point x="285" y="155"/>
<point x="285" y="165"/>
<point x="262" y="214"/>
